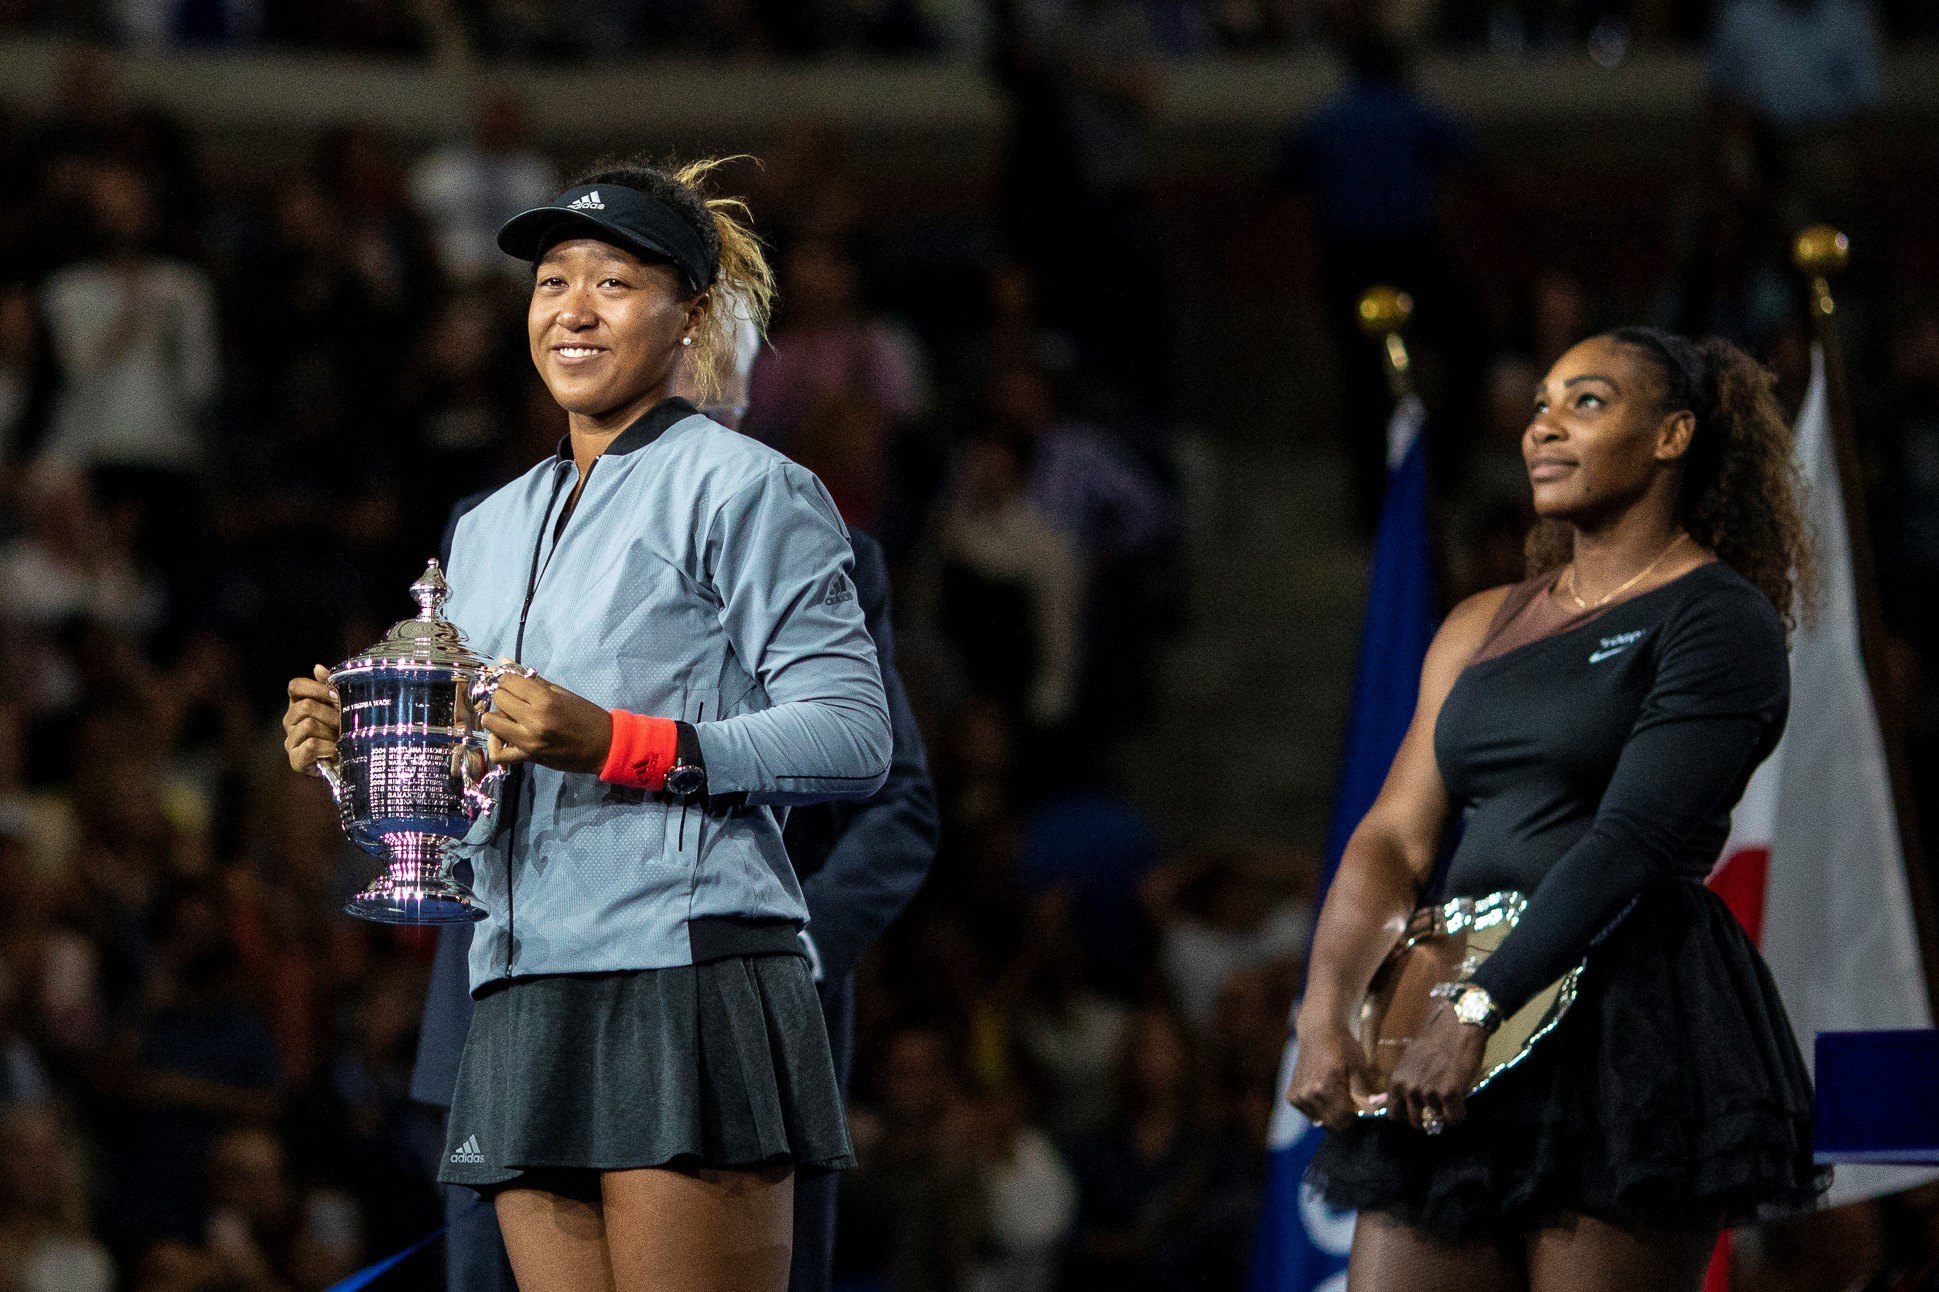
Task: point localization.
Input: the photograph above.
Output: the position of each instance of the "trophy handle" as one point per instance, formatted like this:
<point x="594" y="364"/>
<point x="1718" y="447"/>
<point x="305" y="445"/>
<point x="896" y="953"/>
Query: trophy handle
<point x="479" y="789"/>
<point x="327" y="769"/>
<point x="486" y="687"/>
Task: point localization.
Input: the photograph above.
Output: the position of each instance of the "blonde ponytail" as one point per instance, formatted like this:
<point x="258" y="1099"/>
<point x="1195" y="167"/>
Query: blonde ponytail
<point x="743" y="283"/>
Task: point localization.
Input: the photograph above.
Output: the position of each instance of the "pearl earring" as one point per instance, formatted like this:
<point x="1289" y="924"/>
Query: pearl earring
<point x="686" y="340"/>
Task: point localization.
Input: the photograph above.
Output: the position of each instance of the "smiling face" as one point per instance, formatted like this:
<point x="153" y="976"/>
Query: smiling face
<point x="1601" y="438"/>
<point x="605" y="328"/>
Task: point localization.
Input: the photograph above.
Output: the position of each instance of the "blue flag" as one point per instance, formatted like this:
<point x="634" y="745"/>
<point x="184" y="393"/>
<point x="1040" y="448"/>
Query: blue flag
<point x="1303" y="1243"/>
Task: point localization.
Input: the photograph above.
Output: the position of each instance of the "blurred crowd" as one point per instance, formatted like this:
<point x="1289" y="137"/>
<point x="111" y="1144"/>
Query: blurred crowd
<point x="235" y="409"/>
<point x="946" y="29"/>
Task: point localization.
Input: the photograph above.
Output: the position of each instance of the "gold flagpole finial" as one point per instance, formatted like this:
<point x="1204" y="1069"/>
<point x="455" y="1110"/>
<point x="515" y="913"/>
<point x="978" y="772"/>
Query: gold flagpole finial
<point x="1821" y="251"/>
<point x="1383" y="311"/>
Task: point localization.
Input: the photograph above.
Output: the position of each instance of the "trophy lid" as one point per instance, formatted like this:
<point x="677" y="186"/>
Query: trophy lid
<point x="429" y="639"/>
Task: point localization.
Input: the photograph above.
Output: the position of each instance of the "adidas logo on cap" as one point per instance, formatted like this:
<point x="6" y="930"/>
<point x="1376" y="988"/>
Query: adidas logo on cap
<point x="469" y="1152"/>
<point x="590" y="202"/>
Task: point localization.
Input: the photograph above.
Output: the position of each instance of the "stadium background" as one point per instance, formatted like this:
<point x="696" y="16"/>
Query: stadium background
<point x="1066" y="281"/>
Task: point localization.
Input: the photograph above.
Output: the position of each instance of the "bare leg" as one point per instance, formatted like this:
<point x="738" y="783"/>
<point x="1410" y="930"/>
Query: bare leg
<point x="557" y="1244"/>
<point x="1586" y="1255"/>
<point x="699" y="1230"/>
<point x="1388" y="1256"/>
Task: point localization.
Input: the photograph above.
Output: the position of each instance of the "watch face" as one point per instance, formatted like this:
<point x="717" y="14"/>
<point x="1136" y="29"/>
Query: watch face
<point x="1472" y="1007"/>
<point x="685" y="779"/>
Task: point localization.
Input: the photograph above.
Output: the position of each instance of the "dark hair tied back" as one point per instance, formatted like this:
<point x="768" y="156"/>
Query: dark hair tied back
<point x="1742" y="494"/>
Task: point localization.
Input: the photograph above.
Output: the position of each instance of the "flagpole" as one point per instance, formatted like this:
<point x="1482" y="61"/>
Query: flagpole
<point x="1383" y="312"/>
<point x="1820" y="252"/>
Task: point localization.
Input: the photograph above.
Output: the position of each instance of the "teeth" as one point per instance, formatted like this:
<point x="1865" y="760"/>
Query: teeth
<point x="577" y="352"/>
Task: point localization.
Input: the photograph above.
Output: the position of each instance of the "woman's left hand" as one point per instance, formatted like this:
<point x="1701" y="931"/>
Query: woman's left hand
<point x="1433" y="1079"/>
<point x="533" y="720"/>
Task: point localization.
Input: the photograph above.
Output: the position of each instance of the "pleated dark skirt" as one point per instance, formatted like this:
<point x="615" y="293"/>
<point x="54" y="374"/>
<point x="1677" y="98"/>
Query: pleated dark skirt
<point x="1671" y="1095"/>
<point x="724" y="1064"/>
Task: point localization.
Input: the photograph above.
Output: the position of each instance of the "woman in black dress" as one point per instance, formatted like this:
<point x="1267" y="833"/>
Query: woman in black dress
<point x="1592" y="727"/>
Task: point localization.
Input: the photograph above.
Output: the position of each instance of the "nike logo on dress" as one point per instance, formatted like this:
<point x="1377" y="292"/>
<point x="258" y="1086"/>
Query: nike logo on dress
<point x="1616" y="645"/>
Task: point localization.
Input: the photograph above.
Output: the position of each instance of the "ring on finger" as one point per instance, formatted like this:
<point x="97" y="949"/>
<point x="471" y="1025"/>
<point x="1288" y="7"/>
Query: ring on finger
<point x="1432" y="1122"/>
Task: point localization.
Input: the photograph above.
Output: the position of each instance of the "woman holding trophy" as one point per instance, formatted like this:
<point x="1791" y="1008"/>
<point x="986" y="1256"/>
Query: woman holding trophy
<point x="647" y="1068"/>
<point x="1594" y="726"/>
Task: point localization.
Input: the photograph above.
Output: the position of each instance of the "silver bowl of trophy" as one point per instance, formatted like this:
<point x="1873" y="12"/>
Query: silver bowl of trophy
<point x="411" y="777"/>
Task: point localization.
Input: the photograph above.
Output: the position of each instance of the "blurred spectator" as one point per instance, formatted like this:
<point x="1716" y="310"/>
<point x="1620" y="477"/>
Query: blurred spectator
<point x="1098" y="846"/>
<point x="1066" y="1029"/>
<point x="134" y="335"/>
<point x="465" y="191"/>
<point x="1080" y="478"/>
<point x="1029" y="1199"/>
<point x="1797" y="74"/>
<point x="1247" y="1039"/>
<point x="386" y="243"/>
<point x="193" y="1059"/>
<point x="1165" y="1201"/>
<point x="265" y="1234"/>
<point x="1729" y="281"/>
<point x="354" y="1126"/>
<point x="85" y="122"/>
<point x="845" y="442"/>
<point x="1226" y="909"/>
<point x="73" y="562"/>
<point x="825" y="345"/>
<point x="463" y="394"/>
<point x="1080" y="79"/>
<point x="45" y="1244"/>
<point x="1372" y="162"/>
<point x="912" y="1210"/>
<point x="71" y="567"/>
<point x="1796" y="64"/>
<point x="23" y="1077"/>
<point x="26" y="380"/>
<point x="1006" y="586"/>
<point x="1121" y="522"/>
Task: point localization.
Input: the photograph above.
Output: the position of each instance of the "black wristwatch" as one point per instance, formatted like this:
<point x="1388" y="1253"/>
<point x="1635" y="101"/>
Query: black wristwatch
<point x="688" y="775"/>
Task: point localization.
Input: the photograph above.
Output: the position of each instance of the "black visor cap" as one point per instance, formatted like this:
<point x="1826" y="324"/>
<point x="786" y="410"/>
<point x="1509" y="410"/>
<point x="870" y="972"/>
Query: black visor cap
<point x="629" y="219"/>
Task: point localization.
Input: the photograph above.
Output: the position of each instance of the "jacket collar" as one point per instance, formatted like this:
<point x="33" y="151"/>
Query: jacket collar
<point x="648" y="427"/>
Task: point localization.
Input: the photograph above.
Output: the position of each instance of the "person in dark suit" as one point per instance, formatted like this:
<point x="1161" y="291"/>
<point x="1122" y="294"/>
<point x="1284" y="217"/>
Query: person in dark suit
<point x="859" y="865"/>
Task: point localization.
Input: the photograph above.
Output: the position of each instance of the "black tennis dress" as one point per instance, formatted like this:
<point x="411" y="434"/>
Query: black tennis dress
<point x="1596" y="769"/>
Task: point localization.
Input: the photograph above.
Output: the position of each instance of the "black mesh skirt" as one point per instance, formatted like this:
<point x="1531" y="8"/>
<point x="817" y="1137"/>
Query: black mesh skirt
<point x="1672" y="1094"/>
<point x="724" y="1064"/>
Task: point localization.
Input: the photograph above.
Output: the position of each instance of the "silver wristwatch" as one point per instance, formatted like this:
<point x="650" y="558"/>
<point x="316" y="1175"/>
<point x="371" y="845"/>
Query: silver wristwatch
<point x="1471" y="1004"/>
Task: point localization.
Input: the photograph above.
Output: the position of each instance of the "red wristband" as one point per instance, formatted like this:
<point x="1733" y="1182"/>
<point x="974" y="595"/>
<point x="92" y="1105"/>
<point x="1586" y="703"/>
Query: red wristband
<point x="643" y="750"/>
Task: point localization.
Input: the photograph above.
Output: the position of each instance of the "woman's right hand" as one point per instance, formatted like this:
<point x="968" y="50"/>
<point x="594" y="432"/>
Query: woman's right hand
<point x="312" y="721"/>
<point x="1323" y="1074"/>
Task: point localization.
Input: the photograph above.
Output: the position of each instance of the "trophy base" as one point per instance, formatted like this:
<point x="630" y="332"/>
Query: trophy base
<point x="416" y="887"/>
<point x="415" y="908"/>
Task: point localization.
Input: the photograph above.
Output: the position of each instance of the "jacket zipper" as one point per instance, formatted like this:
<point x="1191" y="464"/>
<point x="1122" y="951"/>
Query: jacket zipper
<point x="517" y="796"/>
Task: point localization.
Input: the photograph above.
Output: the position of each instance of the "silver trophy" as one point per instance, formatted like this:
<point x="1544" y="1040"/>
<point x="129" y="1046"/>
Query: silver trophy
<point x="411" y="776"/>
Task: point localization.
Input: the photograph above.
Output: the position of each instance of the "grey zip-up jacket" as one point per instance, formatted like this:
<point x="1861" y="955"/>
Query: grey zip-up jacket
<point x="701" y="576"/>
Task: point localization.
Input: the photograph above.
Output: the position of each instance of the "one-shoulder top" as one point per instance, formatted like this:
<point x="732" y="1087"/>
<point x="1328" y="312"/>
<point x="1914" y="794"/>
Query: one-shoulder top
<point x="1590" y="762"/>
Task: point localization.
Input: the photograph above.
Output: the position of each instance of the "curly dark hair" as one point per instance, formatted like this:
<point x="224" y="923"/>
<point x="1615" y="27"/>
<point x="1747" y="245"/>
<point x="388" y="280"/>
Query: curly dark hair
<point x="1742" y="494"/>
<point x="743" y="282"/>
